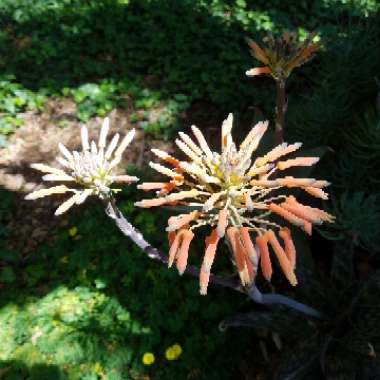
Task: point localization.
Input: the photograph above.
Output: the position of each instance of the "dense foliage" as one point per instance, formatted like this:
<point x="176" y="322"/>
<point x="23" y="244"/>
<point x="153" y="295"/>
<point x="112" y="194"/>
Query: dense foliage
<point x="95" y="305"/>
<point x="89" y="305"/>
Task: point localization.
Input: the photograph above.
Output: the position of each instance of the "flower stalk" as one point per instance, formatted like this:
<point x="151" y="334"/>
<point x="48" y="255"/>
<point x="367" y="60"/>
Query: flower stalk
<point x="281" y="107"/>
<point x="155" y="254"/>
<point x="281" y="56"/>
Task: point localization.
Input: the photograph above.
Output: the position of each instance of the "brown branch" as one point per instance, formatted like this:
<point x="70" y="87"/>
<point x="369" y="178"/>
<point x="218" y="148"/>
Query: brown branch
<point x="280" y="112"/>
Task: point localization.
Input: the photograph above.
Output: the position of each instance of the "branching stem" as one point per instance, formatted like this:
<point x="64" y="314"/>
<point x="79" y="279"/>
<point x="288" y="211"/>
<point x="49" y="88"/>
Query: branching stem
<point x="253" y="292"/>
<point x="127" y="229"/>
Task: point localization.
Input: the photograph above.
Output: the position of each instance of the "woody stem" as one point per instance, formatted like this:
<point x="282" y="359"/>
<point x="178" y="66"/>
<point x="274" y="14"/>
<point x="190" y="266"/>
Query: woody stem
<point x="280" y="112"/>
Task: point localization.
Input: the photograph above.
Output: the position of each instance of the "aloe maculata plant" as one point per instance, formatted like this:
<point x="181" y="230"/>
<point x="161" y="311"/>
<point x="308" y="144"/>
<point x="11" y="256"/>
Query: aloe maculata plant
<point x="234" y="192"/>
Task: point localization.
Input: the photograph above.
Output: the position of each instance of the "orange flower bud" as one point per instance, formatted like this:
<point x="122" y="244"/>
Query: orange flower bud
<point x="174" y="223"/>
<point x="282" y="258"/>
<point x="302" y="212"/>
<point x="290" y="181"/>
<point x="286" y="214"/>
<point x="258" y="71"/>
<point x="183" y="251"/>
<point x="147" y="203"/>
<point x="316" y="192"/>
<point x="171" y="237"/>
<point x="299" y="161"/>
<point x="243" y="264"/>
<point x="174" y="248"/>
<point x="290" y="249"/>
<point x="211" y="244"/>
<point x="266" y="265"/>
<point x="252" y="254"/>
<point x="208" y="259"/>
<point x="204" y="278"/>
<point x="151" y="186"/>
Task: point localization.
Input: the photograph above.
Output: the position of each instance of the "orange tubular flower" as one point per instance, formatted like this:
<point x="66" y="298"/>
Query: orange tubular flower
<point x="281" y="55"/>
<point x="290" y="250"/>
<point x="235" y="194"/>
<point x="266" y="265"/>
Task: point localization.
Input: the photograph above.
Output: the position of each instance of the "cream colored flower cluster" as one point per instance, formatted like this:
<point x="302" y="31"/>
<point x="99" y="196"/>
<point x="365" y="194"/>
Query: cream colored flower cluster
<point x="233" y="192"/>
<point x="92" y="169"/>
<point x="235" y="195"/>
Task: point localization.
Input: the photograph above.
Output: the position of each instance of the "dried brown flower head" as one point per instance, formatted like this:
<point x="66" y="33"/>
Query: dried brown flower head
<point x="93" y="169"/>
<point x="235" y="195"/>
<point x="281" y="55"/>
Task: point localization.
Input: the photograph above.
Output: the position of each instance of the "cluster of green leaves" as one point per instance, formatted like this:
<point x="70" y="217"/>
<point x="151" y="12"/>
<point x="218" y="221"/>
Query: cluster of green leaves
<point x="355" y="175"/>
<point x="94" y="98"/>
<point x="90" y="51"/>
<point x="69" y="43"/>
<point x="157" y="112"/>
<point x="14" y="100"/>
<point x="165" y="114"/>
<point x="100" y="98"/>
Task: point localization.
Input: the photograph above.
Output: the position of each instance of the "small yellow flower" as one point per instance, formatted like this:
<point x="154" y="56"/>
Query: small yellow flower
<point x="177" y="349"/>
<point x="73" y="231"/>
<point x="98" y="369"/>
<point x="148" y="358"/>
<point x="173" y="352"/>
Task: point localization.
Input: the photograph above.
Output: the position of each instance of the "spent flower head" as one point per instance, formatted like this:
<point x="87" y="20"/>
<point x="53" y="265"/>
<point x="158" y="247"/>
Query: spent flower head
<point x="235" y="195"/>
<point x="281" y="55"/>
<point x="93" y="169"/>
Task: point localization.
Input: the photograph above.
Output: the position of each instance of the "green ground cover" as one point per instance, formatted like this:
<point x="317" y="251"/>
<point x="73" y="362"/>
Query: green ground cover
<point x="95" y="305"/>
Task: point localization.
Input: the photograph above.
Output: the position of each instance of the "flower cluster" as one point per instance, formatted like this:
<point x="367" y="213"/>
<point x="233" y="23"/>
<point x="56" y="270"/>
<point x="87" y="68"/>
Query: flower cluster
<point x="281" y="55"/>
<point x="93" y="169"/>
<point x="173" y="352"/>
<point x="234" y="195"/>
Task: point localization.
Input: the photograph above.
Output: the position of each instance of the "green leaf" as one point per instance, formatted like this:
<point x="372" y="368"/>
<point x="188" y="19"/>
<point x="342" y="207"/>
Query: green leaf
<point x="7" y="275"/>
